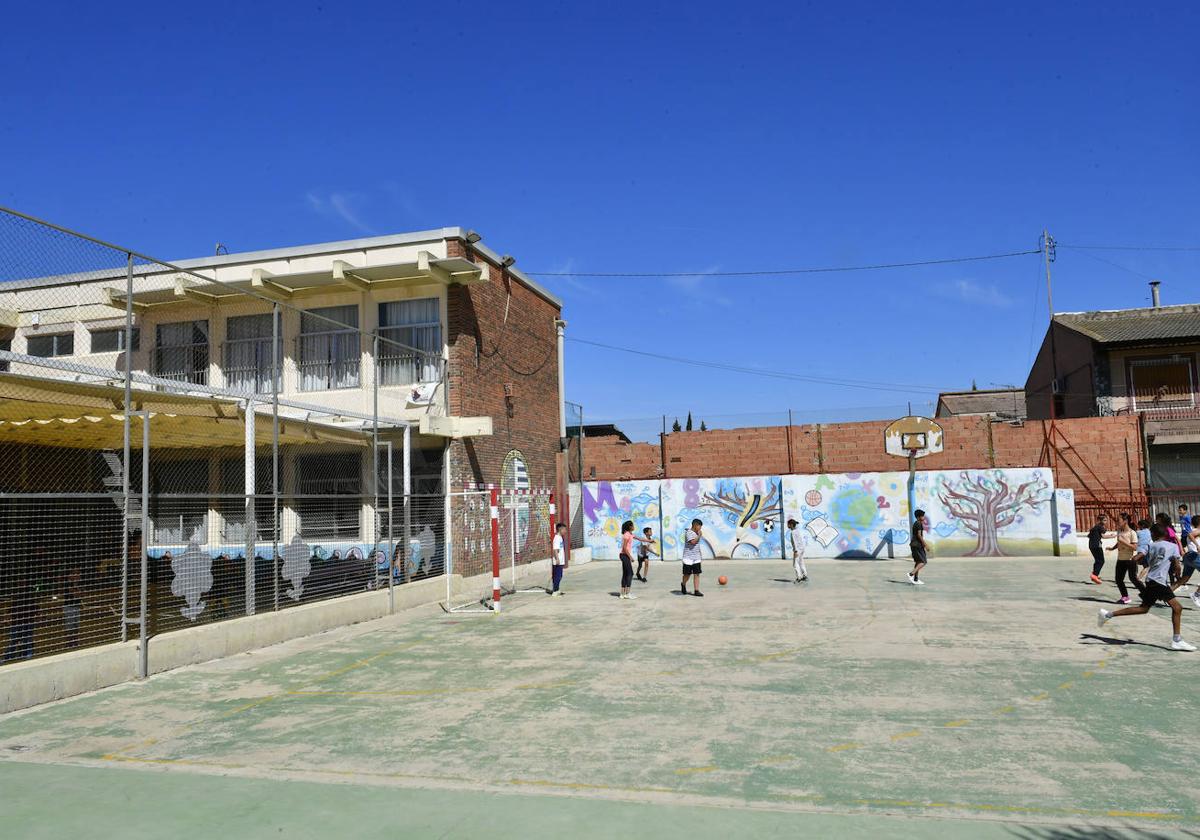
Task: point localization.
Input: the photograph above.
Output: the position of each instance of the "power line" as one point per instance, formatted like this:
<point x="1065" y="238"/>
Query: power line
<point x="1114" y="265"/>
<point x="772" y="272"/>
<point x="1129" y="248"/>
<point x="864" y="384"/>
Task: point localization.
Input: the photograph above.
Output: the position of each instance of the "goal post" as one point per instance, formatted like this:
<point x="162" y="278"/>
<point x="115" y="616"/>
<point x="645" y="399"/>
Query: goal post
<point x="525" y="519"/>
<point x="474" y="551"/>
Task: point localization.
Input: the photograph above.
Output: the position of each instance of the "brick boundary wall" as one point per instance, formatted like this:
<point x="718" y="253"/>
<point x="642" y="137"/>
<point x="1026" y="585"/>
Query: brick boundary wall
<point x="1101" y="443"/>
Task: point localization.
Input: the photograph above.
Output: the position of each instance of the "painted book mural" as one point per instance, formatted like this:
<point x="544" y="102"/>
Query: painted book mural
<point x="850" y="514"/>
<point x="742" y="516"/>
<point x="970" y="513"/>
<point x="608" y="504"/>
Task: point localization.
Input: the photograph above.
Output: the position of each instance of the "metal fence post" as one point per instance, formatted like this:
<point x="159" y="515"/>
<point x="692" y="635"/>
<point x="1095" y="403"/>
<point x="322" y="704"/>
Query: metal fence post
<point x="275" y="385"/>
<point x="126" y="510"/>
<point x="249" y="507"/>
<point x="144" y="635"/>
<point x="408" y="503"/>
<point x="391" y="537"/>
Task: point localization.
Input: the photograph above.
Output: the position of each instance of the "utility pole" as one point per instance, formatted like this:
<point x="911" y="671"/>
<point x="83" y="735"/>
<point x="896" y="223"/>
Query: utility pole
<point x="1048" y="255"/>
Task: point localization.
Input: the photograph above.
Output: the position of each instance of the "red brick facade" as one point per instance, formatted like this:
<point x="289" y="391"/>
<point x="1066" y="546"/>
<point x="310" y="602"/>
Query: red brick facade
<point x="1099" y="453"/>
<point x="489" y="352"/>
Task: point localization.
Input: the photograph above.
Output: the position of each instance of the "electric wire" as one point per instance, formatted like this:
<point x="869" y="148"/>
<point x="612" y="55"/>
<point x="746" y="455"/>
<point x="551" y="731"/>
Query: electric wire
<point x="782" y="271"/>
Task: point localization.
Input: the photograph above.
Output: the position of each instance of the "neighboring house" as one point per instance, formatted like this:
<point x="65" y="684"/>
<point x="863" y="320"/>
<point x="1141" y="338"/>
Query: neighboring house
<point x="1141" y="361"/>
<point x="467" y="355"/>
<point x="1003" y="404"/>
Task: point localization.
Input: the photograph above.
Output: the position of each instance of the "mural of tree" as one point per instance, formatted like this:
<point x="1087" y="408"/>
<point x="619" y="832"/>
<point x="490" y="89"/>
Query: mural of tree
<point x="986" y="505"/>
<point x="747" y="510"/>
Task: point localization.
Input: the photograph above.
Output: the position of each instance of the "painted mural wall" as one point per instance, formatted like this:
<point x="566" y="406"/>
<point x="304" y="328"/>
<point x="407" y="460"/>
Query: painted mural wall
<point x="742" y="516"/>
<point x="970" y="513"/>
<point x="1064" y="503"/>
<point x="607" y="504"/>
<point x="850" y="514"/>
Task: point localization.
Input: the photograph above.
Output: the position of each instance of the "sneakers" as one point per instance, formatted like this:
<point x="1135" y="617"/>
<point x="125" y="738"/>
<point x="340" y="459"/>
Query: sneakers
<point x="630" y="597"/>
<point x="910" y="577"/>
<point x="557" y="594"/>
<point x="918" y="582"/>
<point x="1196" y="597"/>
<point x="1124" y="599"/>
<point x="1103" y="617"/>
<point x="623" y="597"/>
<point x="1180" y="644"/>
<point x="803" y="579"/>
<point x="698" y="594"/>
<point x="1095" y="579"/>
<point x="683" y="591"/>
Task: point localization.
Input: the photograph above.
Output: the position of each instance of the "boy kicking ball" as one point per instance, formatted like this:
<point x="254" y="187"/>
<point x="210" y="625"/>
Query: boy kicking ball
<point x="1161" y="559"/>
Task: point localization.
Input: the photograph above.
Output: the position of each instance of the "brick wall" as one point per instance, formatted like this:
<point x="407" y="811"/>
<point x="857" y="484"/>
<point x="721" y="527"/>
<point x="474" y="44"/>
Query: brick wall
<point x="486" y="353"/>
<point x="1093" y="451"/>
<point x="613" y="458"/>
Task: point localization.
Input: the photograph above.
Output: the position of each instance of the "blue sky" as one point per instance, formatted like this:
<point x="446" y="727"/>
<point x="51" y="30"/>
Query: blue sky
<point x="652" y="137"/>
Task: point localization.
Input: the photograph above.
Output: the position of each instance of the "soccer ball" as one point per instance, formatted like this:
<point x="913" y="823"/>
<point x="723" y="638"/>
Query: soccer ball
<point x="769" y="525"/>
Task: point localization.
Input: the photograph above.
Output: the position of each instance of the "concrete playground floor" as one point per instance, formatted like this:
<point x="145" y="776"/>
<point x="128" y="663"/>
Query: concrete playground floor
<point x="984" y="704"/>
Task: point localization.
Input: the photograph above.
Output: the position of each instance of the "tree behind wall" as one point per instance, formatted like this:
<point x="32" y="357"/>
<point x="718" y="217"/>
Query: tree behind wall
<point x="689" y="422"/>
<point x="675" y="427"/>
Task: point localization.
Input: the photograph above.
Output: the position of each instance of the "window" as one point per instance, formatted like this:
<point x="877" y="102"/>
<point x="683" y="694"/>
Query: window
<point x="179" y="502"/>
<point x="1162" y="383"/>
<point x="182" y="352"/>
<point x="248" y="361"/>
<point x="232" y="503"/>
<point x="330" y="352"/>
<point x="62" y="344"/>
<point x="410" y="349"/>
<point x="5" y="345"/>
<point x="329" y="498"/>
<point x="113" y="341"/>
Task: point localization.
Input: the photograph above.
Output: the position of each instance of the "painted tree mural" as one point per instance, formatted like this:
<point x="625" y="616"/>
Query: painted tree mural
<point x="748" y="511"/>
<point x="987" y="504"/>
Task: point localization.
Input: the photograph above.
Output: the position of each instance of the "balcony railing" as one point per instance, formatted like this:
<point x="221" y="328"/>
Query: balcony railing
<point x="247" y="365"/>
<point x="181" y="362"/>
<point x="409" y="368"/>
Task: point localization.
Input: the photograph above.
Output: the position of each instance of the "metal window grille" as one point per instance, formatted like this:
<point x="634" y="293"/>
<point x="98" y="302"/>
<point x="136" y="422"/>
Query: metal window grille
<point x="330" y="348"/>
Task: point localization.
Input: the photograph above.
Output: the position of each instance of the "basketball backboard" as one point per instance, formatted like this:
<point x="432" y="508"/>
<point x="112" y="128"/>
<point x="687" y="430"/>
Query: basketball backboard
<point x="912" y="436"/>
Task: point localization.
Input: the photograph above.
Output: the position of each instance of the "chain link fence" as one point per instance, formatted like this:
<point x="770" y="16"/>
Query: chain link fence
<point x="183" y="444"/>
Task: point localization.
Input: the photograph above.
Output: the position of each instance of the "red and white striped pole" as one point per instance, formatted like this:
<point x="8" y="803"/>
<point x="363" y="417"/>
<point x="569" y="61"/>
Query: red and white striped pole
<point x="495" y="550"/>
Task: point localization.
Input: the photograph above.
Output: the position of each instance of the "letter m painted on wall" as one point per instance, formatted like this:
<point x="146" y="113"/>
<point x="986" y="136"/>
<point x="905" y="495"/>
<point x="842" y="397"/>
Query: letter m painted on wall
<point x="592" y="503"/>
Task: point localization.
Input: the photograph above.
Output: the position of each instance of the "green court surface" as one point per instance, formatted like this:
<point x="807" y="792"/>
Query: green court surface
<point x="984" y="704"/>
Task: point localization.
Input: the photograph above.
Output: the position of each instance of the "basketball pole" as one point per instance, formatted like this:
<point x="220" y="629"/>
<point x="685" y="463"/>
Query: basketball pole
<point x="912" y="485"/>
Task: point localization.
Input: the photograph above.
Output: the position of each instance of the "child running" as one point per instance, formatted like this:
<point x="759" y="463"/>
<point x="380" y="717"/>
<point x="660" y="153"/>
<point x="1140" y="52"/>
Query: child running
<point x="644" y="552"/>
<point x="1165" y="521"/>
<point x="1162" y="557"/>
<point x="1126" y="547"/>
<point x="558" y="561"/>
<point x="796" y="538"/>
<point x="1096" y="546"/>
<point x="691" y="558"/>
<point x="627" y="538"/>
<point x="920" y="551"/>
<point x="1191" y="560"/>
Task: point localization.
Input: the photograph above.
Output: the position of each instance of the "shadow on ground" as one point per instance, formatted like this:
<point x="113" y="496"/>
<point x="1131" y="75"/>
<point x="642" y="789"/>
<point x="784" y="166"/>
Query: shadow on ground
<point x="1057" y="833"/>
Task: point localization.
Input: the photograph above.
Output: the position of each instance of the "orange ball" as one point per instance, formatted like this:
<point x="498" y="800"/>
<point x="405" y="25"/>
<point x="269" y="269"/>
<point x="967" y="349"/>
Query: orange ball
<point x="722" y="580"/>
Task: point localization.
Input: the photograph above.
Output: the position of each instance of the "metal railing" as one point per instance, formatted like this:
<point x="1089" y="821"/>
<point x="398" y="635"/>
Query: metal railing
<point x="247" y="364"/>
<point x="181" y="362"/>
<point x="397" y="367"/>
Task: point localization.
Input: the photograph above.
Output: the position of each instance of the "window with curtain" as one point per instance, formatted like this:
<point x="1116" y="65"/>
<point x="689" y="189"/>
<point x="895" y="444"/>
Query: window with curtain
<point x="247" y="358"/>
<point x="179" y="501"/>
<point x="330" y="352"/>
<point x="181" y="352"/>
<point x="410" y="347"/>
